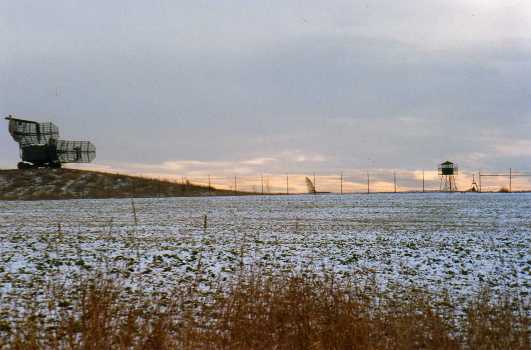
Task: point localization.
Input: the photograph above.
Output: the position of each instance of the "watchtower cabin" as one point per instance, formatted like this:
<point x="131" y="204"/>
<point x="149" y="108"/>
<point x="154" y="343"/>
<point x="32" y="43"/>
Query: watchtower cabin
<point x="447" y="172"/>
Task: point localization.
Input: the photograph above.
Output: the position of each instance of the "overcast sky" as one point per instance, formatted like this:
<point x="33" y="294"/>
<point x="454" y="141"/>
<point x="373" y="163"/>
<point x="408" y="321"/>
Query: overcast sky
<point x="276" y="86"/>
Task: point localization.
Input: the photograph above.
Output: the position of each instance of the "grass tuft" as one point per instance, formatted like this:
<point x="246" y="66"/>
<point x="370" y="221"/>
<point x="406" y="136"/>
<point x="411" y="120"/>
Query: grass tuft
<point x="256" y="311"/>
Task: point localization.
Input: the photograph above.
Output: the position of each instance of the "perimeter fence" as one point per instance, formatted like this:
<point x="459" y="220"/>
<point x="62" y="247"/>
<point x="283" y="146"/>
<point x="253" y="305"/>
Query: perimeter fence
<point x="375" y="181"/>
<point x="352" y="181"/>
<point x="508" y="181"/>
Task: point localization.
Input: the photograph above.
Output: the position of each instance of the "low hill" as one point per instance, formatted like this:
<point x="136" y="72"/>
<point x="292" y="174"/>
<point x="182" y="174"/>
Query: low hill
<point x="36" y="184"/>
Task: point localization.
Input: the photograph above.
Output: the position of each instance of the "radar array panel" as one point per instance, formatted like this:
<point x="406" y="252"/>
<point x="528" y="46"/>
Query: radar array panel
<point x="27" y="132"/>
<point x="75" y="151"/>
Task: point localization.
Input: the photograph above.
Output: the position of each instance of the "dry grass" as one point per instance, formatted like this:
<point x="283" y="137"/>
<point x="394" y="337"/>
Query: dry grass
<point x="256" y="311"/>
<point x="41" y="184"/>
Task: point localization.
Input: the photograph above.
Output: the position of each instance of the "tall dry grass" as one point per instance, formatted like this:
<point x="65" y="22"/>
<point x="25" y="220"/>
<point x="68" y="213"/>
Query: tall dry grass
<point x="255" y="311"/>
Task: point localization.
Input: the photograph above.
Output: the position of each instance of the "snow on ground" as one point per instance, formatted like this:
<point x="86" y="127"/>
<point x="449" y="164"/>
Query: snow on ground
<point x="453" y="242"/>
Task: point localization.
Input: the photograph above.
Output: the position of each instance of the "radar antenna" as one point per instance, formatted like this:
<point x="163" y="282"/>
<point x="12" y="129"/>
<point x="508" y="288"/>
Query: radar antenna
<point x="40" y="146"/>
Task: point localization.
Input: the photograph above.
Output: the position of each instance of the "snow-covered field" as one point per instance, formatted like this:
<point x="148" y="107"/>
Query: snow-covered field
<point x="454" y="242"/>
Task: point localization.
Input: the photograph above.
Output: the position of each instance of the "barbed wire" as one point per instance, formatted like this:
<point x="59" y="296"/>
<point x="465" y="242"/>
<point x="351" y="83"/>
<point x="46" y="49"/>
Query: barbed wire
<point x="352" y="182"/>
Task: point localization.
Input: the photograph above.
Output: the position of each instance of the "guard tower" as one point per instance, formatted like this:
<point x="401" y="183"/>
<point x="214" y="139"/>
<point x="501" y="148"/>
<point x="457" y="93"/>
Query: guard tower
<point x="448" y="171"/>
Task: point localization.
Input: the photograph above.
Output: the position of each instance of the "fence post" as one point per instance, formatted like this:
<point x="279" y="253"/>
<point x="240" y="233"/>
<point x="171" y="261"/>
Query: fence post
<point x="341" y="183"/>
<point x="368" y="183"/>
<point x="510" y="179"/>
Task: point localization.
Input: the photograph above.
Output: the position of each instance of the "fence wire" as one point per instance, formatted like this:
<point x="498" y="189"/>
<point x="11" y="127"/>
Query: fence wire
<point x="355" y="182"/>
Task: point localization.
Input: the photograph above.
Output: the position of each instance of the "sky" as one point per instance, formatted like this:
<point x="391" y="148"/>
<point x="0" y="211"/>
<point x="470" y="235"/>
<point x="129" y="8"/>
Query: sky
<point x="189" y="88"/>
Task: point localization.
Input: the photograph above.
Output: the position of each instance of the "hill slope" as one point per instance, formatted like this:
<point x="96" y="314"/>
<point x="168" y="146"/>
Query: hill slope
<point x="34" y="184"/>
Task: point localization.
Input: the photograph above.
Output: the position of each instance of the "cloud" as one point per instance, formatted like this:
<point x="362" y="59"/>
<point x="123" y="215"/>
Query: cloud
<point x="514" y="148"/>
<point x="259" y="161"/>
<point x="178" y="168"/>
<point x="279" y="86"/>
